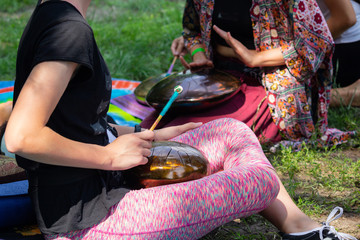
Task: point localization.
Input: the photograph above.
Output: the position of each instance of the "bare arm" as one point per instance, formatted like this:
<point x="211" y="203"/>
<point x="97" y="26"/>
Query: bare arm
<point x="121" y="130"/>
<point x="27" y="134"/>
<point x="342" y="16"/>
<point x="163" y="134"/>
<point x="251" y="58"/>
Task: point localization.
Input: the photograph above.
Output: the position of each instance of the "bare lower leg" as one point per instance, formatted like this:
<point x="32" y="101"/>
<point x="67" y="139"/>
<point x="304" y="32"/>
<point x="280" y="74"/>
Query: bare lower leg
<point x="286" y="216"/>
<point x="346" y="96"/>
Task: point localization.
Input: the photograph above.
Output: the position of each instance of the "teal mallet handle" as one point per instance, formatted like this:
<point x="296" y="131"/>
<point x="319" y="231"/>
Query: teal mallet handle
<point x="177" y="90"/>
<point x="171" y="100"/>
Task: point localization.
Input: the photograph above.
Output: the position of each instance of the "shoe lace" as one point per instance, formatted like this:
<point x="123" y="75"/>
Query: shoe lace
<point x="333" y="216"/>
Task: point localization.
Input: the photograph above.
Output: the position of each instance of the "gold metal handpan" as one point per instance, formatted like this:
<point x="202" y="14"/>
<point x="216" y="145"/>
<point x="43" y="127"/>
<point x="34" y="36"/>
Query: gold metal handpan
<point x="200" y="90"/>
<point x="170" y="162"/>
<point x="144" y="87"/>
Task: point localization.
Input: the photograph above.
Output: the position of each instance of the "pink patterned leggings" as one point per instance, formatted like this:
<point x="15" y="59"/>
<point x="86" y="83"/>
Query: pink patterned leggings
<point x="241" y="182"/>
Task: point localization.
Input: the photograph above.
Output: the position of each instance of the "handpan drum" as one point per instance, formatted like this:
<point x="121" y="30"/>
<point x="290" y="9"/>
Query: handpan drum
<point x="200" y="90"/>
<point x="144" y="87"/>
<point x="169" y="162"/>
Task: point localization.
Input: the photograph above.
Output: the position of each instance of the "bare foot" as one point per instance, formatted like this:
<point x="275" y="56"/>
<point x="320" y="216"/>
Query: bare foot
<point x="346" y="96"/>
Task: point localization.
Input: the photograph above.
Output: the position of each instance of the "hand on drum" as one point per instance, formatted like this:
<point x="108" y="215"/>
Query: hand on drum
<point x="167" y="133"/>
<point x="129" y="150"/>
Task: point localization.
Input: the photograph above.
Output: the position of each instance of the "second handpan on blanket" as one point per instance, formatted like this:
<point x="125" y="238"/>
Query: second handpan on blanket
<point x="200" y="90"/>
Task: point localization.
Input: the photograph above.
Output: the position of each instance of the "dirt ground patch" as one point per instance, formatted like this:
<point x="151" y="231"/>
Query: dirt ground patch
<point x="258" y="228"/>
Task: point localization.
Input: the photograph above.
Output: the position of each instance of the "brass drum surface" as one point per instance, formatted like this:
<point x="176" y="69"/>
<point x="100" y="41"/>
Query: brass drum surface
<point x="200" y="90"/>
<point x="169" y="162"/>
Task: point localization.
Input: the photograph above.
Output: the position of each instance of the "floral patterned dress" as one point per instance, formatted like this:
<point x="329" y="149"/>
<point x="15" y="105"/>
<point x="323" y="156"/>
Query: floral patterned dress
<point x="298" y="92"/>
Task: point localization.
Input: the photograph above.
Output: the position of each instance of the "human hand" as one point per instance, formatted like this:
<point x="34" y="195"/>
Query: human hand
<point x="200" y="62"/>
<point x="130" y="150"/>
<point x="178" y="47"/>
<point x="245" y="55"/>
<point x="167" y="133"/>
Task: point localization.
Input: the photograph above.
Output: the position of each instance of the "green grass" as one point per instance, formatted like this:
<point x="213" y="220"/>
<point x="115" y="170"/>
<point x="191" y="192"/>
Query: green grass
<point x="134" y="37"/>
<point x="13" y="17"/>
<point x="320" y="178"/>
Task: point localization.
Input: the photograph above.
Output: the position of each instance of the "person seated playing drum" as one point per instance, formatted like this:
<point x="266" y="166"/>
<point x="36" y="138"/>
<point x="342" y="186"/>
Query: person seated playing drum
<point x="61" y="138"/>
<point x="285" y="75"/>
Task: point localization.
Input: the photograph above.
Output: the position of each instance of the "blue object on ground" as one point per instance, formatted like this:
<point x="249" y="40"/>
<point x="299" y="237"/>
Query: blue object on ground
<point x="15" y="205"/>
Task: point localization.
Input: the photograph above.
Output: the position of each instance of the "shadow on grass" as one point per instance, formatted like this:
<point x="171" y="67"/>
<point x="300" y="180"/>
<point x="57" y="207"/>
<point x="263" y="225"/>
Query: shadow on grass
<point x="250" y="228"/>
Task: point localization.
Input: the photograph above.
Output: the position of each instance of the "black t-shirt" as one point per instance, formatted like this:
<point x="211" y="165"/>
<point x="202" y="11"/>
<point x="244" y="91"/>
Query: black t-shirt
<point x="67" y="198"/>
<point x="234" y="17"/>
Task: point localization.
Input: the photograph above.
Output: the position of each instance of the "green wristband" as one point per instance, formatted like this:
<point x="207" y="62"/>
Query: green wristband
<point x="196" y="51"/>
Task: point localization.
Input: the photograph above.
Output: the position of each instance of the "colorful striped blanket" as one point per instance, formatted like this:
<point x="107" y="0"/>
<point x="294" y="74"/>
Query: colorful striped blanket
<point x="124" y="108"/>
